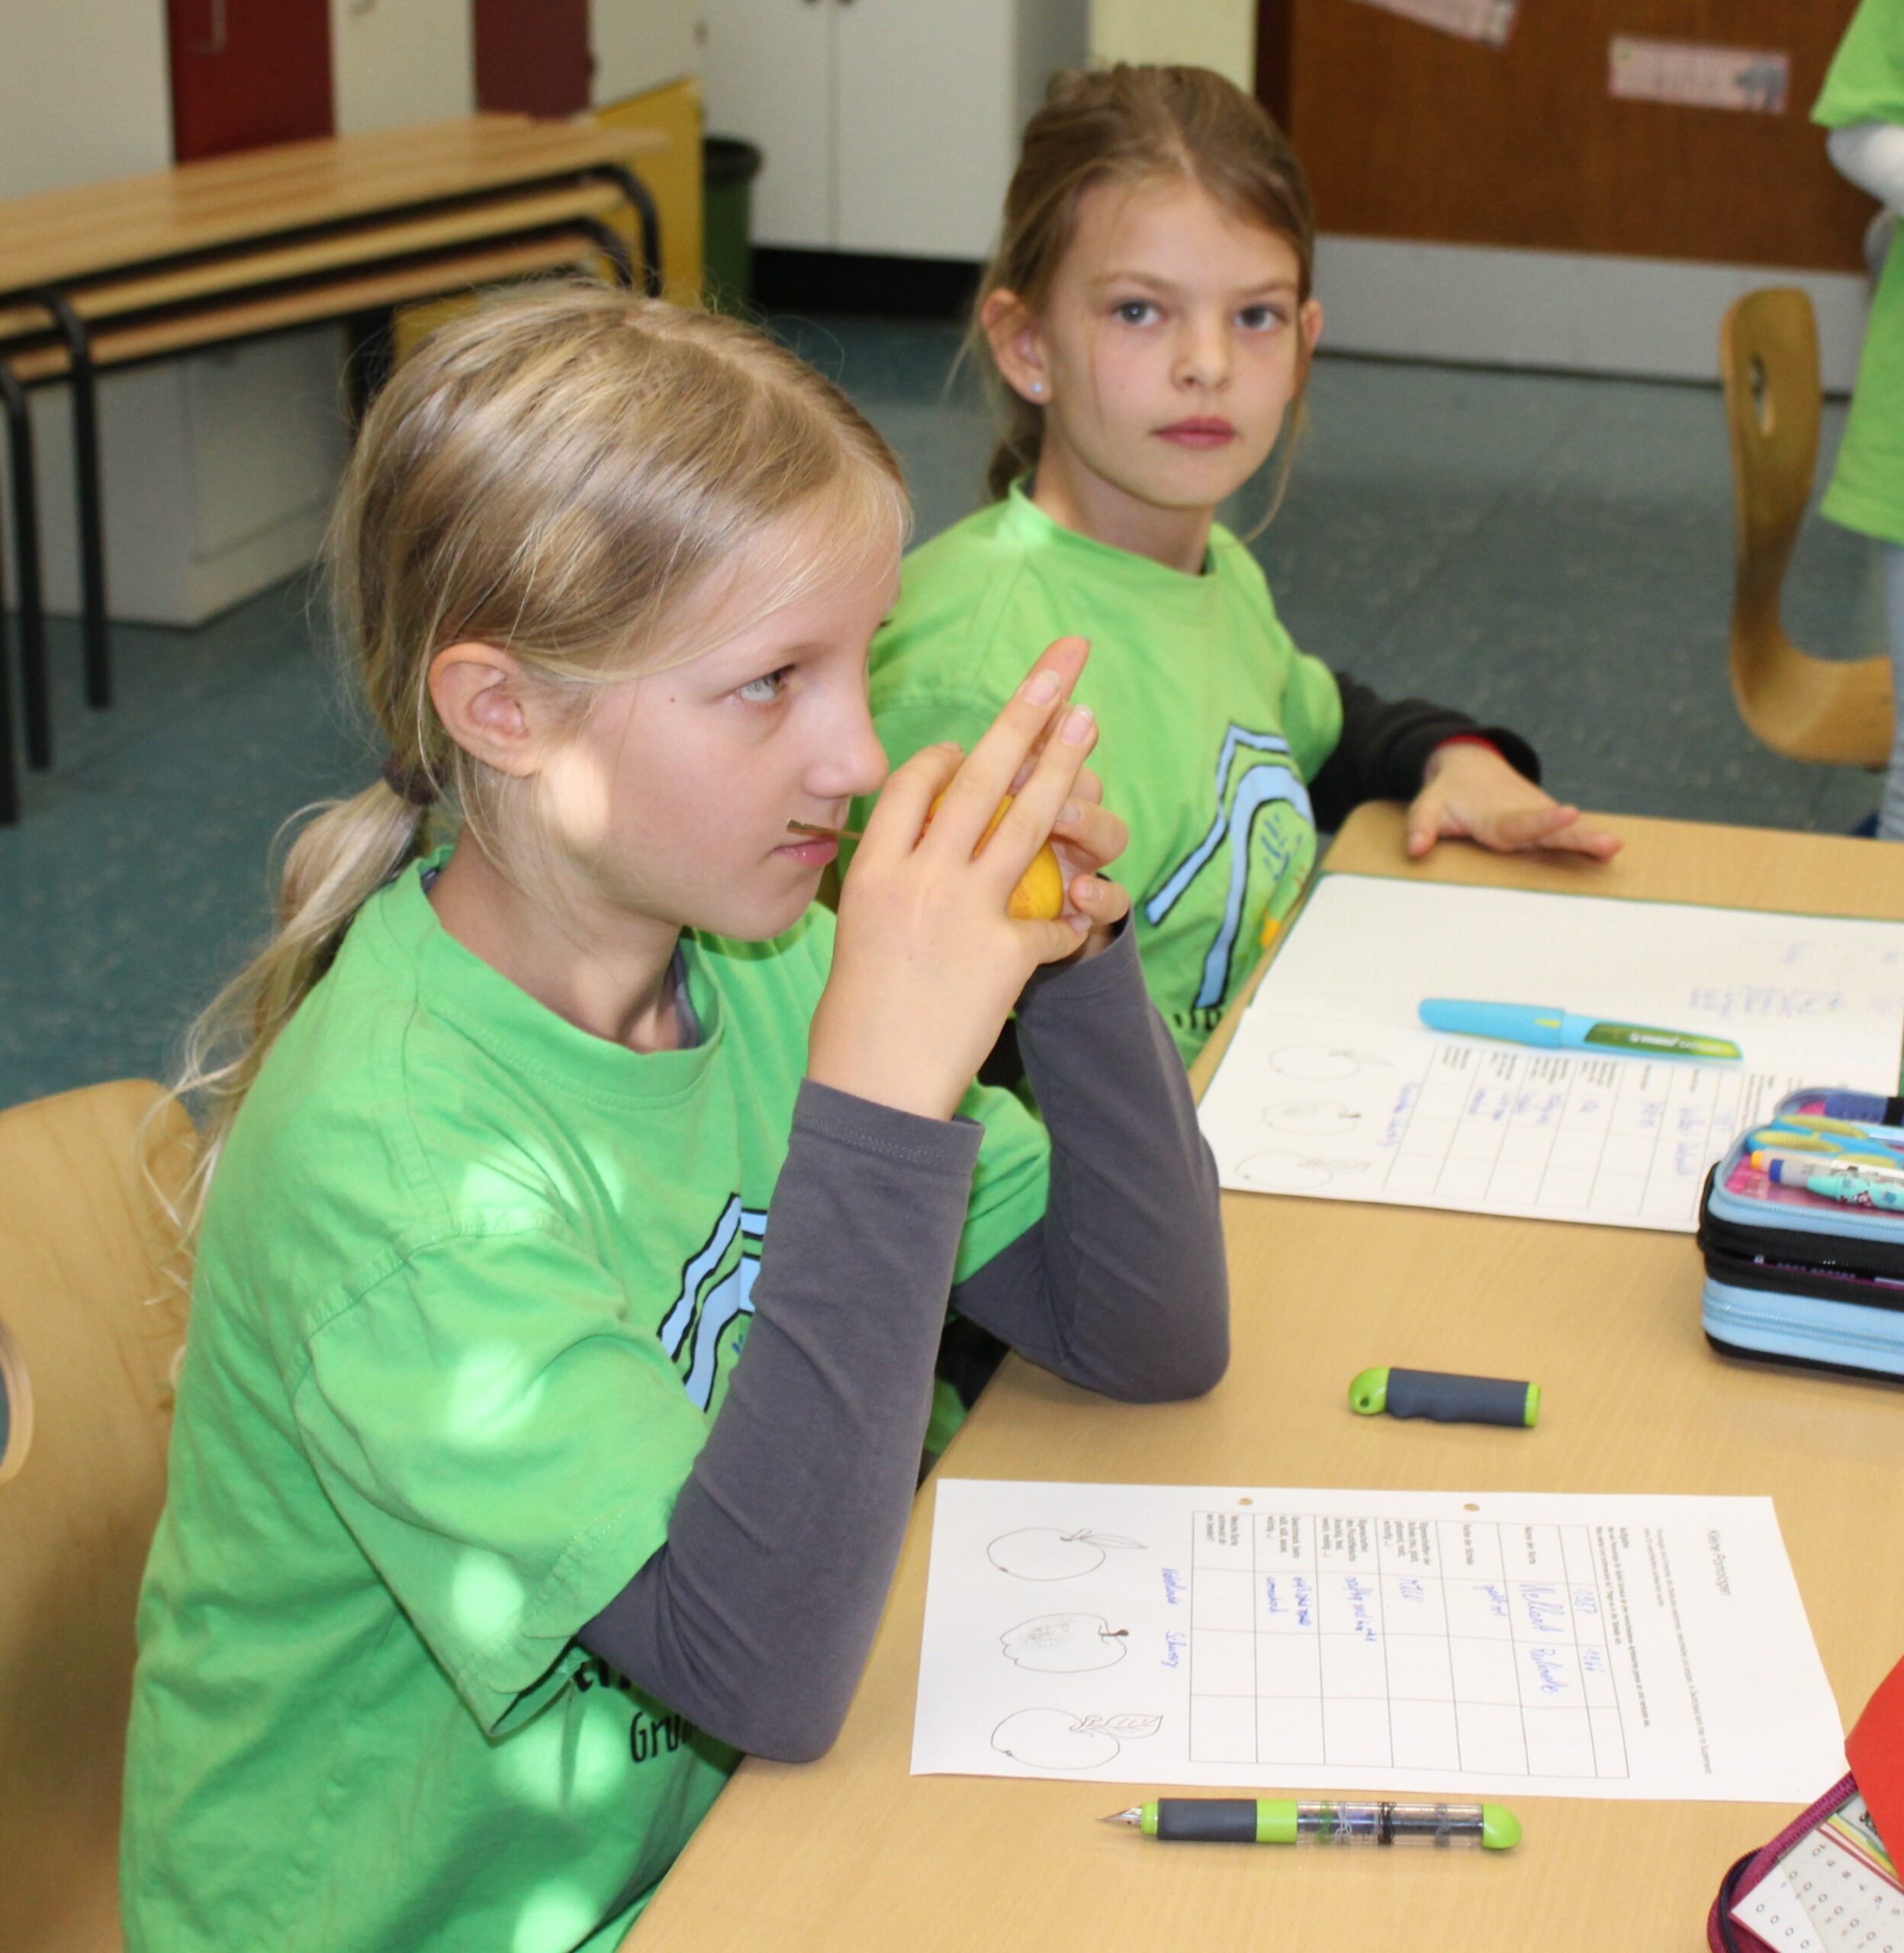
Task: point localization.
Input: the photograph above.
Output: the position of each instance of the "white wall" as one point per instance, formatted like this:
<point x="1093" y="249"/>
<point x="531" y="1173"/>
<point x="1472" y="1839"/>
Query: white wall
<point x="1200" y="34"/>
<point x="638" y="45"/>
<point x="84" y="93"/>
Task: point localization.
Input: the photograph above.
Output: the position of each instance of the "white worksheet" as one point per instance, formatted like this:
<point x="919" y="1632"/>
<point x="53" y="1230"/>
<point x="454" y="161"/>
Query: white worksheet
<point x="1332" y="1087"/>
<point x="1498" y="1643"/>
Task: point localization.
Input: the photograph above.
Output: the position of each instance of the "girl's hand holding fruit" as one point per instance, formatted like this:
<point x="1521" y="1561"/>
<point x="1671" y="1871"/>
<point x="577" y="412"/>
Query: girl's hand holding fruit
<point x="928" y="961"/>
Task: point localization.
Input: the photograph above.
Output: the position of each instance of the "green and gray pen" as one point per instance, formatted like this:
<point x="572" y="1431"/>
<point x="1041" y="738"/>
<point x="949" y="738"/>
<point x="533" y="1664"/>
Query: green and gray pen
<point x="1287" y="1821"/>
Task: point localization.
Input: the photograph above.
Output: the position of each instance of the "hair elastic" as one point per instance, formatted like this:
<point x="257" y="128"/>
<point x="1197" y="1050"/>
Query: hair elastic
<point x="410" y="784"/>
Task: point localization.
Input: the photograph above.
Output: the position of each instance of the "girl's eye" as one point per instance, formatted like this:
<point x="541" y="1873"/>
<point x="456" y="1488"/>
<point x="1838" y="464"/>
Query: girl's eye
<point x="1259" y="318"/>
<point x="1134" y="311"/>
<point x="765" y="689"/>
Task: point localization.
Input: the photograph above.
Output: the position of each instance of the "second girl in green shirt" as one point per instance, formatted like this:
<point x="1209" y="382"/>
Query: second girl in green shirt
<point x="1149" y="316"/>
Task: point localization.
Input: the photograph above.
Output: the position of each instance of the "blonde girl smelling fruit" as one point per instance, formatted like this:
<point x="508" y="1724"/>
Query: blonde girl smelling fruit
<point x="582" y="1211"/>
<point x="1151" y="318"/>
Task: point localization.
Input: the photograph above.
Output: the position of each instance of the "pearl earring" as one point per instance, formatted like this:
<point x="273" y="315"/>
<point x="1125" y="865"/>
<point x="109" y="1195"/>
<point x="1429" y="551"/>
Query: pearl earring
<point x="1037" y="386"/>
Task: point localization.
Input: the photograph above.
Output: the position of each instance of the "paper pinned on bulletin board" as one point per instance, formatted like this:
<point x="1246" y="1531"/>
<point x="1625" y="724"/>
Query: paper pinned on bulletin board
<point x="1696" y="75"/>
<point x="1490" y="21"/>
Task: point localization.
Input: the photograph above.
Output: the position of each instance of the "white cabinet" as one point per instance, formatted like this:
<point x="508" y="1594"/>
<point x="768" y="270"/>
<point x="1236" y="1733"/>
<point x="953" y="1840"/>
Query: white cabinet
<point x="889" y="126"/>
<point x="393" y="62"/>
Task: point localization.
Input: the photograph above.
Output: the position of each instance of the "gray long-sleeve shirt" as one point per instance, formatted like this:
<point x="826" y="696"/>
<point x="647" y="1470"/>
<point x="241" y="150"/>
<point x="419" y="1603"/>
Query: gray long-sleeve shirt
<point x="755" y="1618"/>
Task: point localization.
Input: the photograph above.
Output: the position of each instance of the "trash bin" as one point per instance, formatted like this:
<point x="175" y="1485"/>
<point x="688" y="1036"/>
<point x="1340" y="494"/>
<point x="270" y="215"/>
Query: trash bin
<point x="728" y="167"/>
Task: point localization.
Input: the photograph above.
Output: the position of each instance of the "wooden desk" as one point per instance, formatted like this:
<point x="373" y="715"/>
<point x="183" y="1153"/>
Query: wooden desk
<point x="853" y="1852"/>
<point x="63" y="236"/>
<point x="260" y="242"/>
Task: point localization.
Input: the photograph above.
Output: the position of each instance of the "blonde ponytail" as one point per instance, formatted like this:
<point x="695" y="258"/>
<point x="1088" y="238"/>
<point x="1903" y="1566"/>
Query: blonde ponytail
<point x="557" y="473"/>
<point x="339" y="860"/>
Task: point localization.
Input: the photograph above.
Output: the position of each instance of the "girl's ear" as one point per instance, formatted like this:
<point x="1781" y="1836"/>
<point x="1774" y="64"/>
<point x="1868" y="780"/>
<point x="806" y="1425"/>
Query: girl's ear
<point x="1310" y="320"/>
<point x="1017" y="345"/>
<point x="479" y="694"/>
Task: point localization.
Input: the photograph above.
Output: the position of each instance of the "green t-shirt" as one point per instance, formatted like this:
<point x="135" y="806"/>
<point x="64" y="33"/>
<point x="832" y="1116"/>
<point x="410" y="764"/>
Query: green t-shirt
<point x="1865" y="83"/>
<point x="470" y="1288"/>
<point x="1212" y="722"/>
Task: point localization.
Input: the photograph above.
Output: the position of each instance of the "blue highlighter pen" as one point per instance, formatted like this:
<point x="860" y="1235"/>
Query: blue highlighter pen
<point x="1556" y="1029"/>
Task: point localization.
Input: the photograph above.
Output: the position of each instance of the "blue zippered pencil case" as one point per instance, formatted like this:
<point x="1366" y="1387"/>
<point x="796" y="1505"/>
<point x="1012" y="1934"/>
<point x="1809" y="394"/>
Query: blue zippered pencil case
<point x="1796" y="1277"/>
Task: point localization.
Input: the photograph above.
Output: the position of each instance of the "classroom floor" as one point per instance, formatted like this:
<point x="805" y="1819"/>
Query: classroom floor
<point x="1552" y="553"/>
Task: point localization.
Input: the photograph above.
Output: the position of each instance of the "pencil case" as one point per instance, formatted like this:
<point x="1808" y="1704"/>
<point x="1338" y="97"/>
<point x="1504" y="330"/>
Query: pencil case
<point x="1794" y="1277"/>
<point x="1852" y="1881"/>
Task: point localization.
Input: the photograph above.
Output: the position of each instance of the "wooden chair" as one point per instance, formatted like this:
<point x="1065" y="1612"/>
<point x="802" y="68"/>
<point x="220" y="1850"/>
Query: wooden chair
<point x="89" y="1333"/>
<point x="1838" y="710"/>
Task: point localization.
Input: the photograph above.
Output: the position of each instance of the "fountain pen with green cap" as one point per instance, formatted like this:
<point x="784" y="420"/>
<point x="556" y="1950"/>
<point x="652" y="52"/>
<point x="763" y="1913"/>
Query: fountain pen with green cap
<point x="1288" y="1821"/>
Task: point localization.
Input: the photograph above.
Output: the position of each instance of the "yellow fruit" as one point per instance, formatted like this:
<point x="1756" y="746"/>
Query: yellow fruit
<point x="1039" y="896"/>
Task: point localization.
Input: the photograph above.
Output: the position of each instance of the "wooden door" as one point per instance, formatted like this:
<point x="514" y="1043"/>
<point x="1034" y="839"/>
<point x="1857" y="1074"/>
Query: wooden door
<point x="531" y="55"/>
<point x="1410" y="132"/>
<point x="247" y="72"/>
<point x="768" y="68"/>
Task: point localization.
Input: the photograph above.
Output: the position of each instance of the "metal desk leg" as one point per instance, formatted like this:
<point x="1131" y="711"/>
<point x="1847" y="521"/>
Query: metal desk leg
<point x="9" y="765"/>
<point x="614" y="249"/>
<point x="96" y="631"/>
<point x="636" y="192"/>
<point x="34" y="688"/>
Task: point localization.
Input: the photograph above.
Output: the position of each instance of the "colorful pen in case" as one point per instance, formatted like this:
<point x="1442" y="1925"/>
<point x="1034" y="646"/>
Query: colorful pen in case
<point x="1768" y="1159"/>
<point x="1850" y="1189"/>
<point x="1287" y="1821"/>
<point x="1805" y="1139"/>
<point x="1561" y="1030"/>
<point x="1887" y="1137"/>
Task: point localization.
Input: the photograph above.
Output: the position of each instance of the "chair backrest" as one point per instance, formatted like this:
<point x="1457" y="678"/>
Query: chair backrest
<point x="1768" y="356"/>
<point x="90" y="1326"/>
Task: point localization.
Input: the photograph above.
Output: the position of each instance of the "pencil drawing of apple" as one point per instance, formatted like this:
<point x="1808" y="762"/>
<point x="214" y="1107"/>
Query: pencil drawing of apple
<point x="1044" y="1552"/>
<point x="1056" y="1739"/>
<point x="1065" y="1644"/>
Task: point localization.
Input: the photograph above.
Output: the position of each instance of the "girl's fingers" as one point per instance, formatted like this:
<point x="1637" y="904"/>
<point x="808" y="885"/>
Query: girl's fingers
<point x="1091" y="832"/>
<point x="1577" y="837"/>
<point x="1526" y="827"/>
<point x="892" y="829"/>
<point x="1425" y="822"/>
<point x="1033" y="815"/>
<point x="1052" y="942"/>
<point x="1098" y="900"/>
<point x="986" y="777"/>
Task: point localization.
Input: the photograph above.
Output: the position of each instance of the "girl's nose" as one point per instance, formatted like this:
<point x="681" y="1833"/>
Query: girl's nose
<point x="854" y="762"/>
<point x="1204" y="358"/>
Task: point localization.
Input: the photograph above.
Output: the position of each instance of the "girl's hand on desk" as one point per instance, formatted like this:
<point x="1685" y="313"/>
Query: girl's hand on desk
<point x="926" y="964"/>
<point x="1470" y="792"/>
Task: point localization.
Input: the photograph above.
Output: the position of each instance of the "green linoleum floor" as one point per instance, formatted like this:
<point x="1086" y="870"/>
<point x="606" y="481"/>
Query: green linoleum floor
<point x="1551" y="553"/>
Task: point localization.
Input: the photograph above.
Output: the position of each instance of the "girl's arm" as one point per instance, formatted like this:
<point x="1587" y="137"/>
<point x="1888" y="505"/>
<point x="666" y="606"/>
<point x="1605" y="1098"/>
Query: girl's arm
<point x="1123" y="1287"/>
<point x="1383" y="751"/>
<point x="754" y="1619"/>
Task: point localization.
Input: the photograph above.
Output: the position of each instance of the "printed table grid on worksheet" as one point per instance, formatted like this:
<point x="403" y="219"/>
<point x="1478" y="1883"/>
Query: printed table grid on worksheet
<point x="1600" y="1136"/>
<point x="1400" y="1643"/>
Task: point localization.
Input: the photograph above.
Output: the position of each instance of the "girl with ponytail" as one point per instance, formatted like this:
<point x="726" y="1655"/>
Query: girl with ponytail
<point x="578" y="1207"/>
<point x="1148" y="322"/>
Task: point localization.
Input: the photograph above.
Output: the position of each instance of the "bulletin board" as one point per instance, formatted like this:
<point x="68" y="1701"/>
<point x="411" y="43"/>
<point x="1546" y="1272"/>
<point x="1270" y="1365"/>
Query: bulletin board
<point x="1412" y="130"/>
